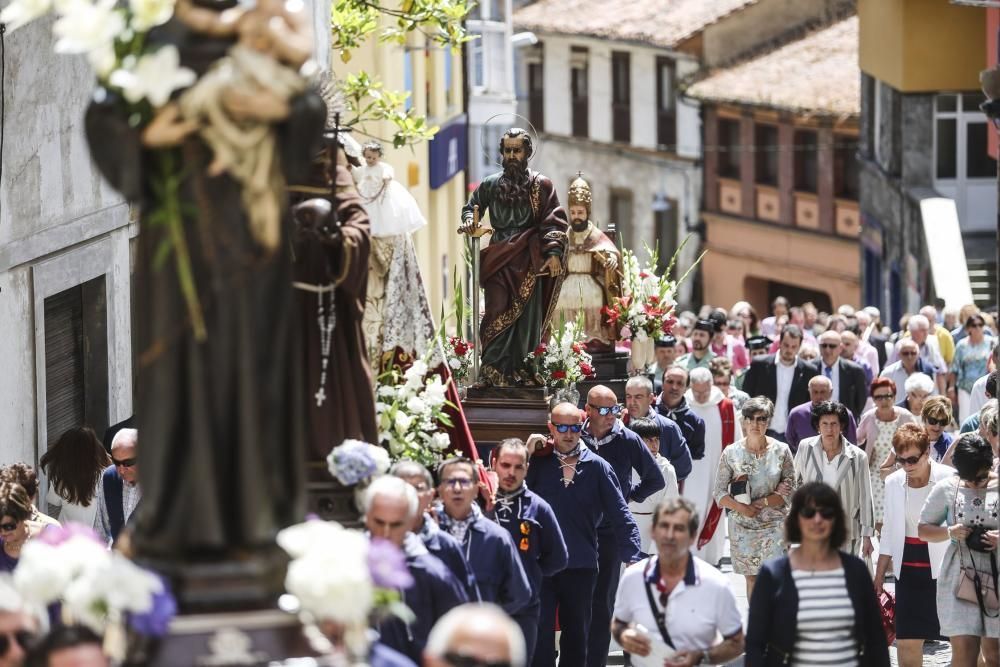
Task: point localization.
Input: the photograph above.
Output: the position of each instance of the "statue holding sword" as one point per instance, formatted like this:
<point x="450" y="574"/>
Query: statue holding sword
<point x="522" y="268"/>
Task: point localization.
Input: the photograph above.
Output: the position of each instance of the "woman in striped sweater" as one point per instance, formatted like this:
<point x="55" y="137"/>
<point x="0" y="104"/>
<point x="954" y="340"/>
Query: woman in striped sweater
<point x="816" y="605"/>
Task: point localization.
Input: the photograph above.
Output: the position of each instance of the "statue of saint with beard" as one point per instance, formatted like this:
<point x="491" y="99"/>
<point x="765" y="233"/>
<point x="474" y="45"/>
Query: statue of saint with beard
<point x="592" y="277"/>
<point x="521" y="270"/>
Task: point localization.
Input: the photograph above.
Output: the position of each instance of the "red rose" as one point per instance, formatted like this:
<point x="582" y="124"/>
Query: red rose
<point x="540" y="350"/>
<point x="587" y="370"/>
<point x="558" y="375"/>
<point x="668" y="324"/>
<point x="577" y="348"/>
<point x="461" y="349"/>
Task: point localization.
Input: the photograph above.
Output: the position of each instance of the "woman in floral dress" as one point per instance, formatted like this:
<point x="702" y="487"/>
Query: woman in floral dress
<point x="757" y="512"/>
<point x="875" y="432"/>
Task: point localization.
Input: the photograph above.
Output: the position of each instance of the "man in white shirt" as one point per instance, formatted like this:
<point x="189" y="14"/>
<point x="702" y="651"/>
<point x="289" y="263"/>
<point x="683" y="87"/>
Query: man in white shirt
<point x="674" y="602"/>
<point x="919" y="328"/>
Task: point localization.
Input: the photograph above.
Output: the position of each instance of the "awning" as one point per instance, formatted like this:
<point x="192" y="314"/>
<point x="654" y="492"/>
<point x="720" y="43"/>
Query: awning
<point x="946" y="251"/>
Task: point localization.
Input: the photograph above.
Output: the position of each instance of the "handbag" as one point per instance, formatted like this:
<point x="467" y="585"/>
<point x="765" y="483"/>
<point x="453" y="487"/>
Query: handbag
<point x="887" y="607"/>
<point x="974" y="585"/>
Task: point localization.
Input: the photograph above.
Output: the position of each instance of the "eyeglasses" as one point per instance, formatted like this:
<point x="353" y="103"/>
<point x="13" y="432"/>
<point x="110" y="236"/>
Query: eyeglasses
<point x="8" y="527"/>
<point x="883" y="397"/>
<point x="458" y="482"/>
<point x="459" y="660"/>
<point x="825" y="512"/>
<point x="124" y="463"/>
<point x="22" y="637"/>
<point x="974" y="325"/>
<point x="759" y="419"/>
<point x="908" y="354"/>
<point x="562" y="428"/>
<point x="937" y="422"/>
<point x="909" y="460"/>
<point x="604" y="411"/>
<point x="829" y="346"/>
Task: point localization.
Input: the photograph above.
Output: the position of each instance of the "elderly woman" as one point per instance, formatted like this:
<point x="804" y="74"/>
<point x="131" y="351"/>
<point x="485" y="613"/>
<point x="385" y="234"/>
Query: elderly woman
<point x="964" y="509"/>
<point x="915" y="563"/>
<point x="936" y="416"/>
<point x="755" y="479"/>
<point x="972" y="354"/>
<point x="875" y="432"/>
<point x="816" y="605"/>
<point x="15" y="510"/>
<point x="918" y="387"/>
<point x="831" y="459"/>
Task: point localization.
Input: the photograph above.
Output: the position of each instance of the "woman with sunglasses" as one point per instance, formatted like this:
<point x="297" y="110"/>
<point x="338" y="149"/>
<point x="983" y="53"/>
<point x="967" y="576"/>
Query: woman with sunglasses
<point x="972" y="354"/>
<point x="816" y="605"/>
<point x="830" y="458"/>
<point x="875" y="432"/>
<point x="74" y="465"/>
<point x="755" y="478"/>
<point x="916" y="564"/>
<point x="963" y="509"/>
<point x="15" y="510"/>
<point x="936" y="416"/>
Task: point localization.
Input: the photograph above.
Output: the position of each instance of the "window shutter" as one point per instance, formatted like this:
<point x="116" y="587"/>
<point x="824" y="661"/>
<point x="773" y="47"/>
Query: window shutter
<point x="64" y="376"/>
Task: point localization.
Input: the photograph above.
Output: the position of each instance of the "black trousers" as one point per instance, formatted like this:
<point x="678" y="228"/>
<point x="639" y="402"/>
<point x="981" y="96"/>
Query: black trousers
<point x="527" y="620"/>
<point x="609" y="569"/>
<point x="571" y="591"/>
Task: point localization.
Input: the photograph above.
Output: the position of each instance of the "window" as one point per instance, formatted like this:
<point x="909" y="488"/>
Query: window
<point x="579" y="91"/>
<point x="536" y="96"/>
<point x="666" y="109"/>
<point x="76" y="359"/>
<point x="621" y="97"/>
<point x="729" y="148"/>
<point x="806" y="176"/>
<point x="621" y="216"/>
<point x="766" y="154"/>
<point x="845" y="167"/>
<point x="960" y="138"/>
<point x="665" y="224"/>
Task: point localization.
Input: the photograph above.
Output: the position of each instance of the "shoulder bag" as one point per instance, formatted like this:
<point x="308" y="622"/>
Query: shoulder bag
<point x="974" y="585"/>
<point x="659" y="615"/>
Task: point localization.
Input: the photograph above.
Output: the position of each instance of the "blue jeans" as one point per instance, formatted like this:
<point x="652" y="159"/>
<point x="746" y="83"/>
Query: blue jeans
<point x="572" y="592"/>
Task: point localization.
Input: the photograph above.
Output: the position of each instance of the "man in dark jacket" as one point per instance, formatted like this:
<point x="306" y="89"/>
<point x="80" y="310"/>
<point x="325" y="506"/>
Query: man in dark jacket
<point x="639" y="400"/>
<point x="847" y="377"/>
<point x="781" y="377"/>
<point x="673" y="406"/>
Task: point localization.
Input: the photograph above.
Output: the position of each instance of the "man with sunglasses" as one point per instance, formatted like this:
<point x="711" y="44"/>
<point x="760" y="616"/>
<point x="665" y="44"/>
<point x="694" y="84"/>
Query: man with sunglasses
<point x="495" y="571"/>
<point x="582" y="489"/>
<point x="847" y="377"/>
<point x="626" y="453"/>
<point x="17" y="627"/>
<point x="909" y="362"/>
<point x="118" y="495"/>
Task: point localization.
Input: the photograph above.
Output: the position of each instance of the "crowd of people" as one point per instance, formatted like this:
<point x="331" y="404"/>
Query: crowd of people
<point x="831" y="451"/>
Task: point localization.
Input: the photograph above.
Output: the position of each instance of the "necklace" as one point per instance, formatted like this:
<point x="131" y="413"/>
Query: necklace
<point x="327" y="319"/>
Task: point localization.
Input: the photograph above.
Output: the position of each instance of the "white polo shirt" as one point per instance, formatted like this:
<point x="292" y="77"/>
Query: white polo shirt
<point x="700" y="606"/>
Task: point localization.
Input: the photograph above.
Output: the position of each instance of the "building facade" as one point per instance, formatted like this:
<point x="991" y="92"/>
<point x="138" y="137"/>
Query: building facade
<point x="781" y="180"/>
<point x="928" y="183"/>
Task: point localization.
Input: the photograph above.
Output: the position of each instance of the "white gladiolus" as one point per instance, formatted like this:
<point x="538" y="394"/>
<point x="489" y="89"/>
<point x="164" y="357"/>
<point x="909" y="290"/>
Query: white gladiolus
<point x="441" y="441"/>
<point x="85" y="26"/>
<point x="436" y="393"/>
<point x="416" y="405"/>
<point x="148" y="14"/>
<point x="21" y="12"/>
<point x="403" y="421"/>
<point x="155" y="77"/>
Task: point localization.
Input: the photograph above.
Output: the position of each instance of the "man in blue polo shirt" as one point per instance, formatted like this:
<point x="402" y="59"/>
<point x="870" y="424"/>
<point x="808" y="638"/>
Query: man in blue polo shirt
<point x="582" y="489"/>
<point x="625" y="452"/>
<point x="495" y="570"/>
<point x="533" y="526"/>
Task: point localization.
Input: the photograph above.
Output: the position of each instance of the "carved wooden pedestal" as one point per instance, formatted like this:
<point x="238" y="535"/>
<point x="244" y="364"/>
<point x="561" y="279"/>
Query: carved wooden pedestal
<point x="496" y="413"/>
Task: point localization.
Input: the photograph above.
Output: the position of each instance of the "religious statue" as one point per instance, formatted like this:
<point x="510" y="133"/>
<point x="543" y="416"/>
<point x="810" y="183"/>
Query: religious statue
<point x="397" y="317"/>
<point x="521" y="270"/>
<point x="220" y="411"/>
<point x="592" y="277"/>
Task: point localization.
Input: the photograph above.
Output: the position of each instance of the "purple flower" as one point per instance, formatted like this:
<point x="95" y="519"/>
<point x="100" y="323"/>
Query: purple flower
<point x="387" y="565"/>
<point x="156" y="621"/>
<point x="56" y="535"/>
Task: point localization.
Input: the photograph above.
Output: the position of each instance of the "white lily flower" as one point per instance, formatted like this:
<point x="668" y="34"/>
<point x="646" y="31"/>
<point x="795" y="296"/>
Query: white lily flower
<point x="21" y="12"/>
<point x="441" y="441"/>
<point x="86" y="26"/>
<point x="154" y="77"/>
<point x="148" y="14"/>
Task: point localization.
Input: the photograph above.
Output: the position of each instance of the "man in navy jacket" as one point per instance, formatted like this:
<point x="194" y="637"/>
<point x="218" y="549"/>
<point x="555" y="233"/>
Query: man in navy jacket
<point x="532" y="525"/>
<point x="582" y="489"/>
<point x="625" y="452"/>
<point x="639" y="400"/>
<point x="673" y="406"/>
<point x="496" y="574"/>
<point x="390" y="505"/>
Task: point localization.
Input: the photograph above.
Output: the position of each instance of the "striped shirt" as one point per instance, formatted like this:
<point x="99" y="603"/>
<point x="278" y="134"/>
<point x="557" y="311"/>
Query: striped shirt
<point x="825" y="622"/>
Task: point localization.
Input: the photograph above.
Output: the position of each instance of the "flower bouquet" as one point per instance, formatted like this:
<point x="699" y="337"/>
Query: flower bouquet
<point x="563" y="361"/>
<point x="410" y="410"/>
<point x="458" y="353"/>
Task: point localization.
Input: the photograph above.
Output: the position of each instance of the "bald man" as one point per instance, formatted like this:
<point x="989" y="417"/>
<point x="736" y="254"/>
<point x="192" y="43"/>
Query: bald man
<point x="582" y="489"/>
<point x="800" y="417"/>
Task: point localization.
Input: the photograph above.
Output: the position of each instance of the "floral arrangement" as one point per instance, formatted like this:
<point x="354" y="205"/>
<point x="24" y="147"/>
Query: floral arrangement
<point x="562" y="361"/>
<point x="410" y="409"/>
<point x="140" y="77"/>
<point x="97" y="587"/>
<point x="458" y="353"/>
<point x="339" y="575"/>
<point x="355" y="462"/>
<point x="645" y="309"/>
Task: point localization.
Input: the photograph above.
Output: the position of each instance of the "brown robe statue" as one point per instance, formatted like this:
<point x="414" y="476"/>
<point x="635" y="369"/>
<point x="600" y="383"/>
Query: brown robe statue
<point x="521" y="269"/>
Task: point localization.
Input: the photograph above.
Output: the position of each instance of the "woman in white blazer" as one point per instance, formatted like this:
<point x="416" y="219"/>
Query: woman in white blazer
<point x="915" y="563"/>
<point x="831" y="459"/>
